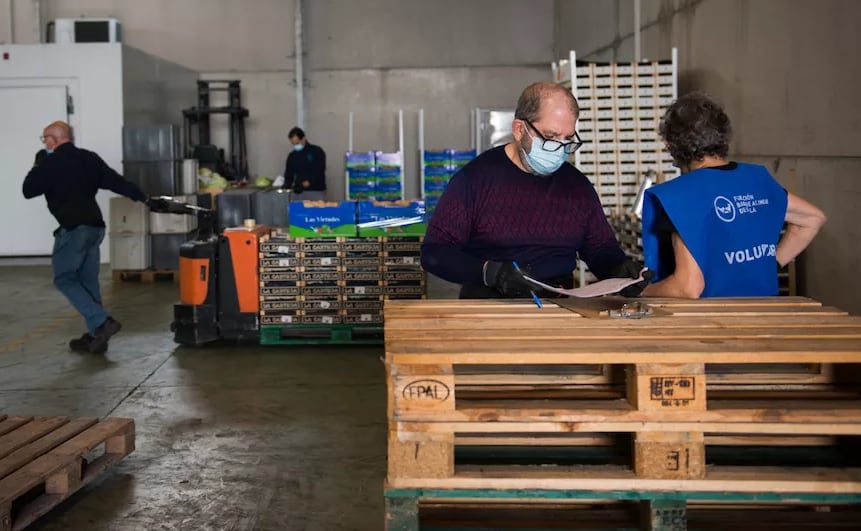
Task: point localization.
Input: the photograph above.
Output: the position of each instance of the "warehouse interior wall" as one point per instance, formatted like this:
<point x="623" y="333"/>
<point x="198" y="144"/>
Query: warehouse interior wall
<point x="372" y="58"/>
<point x="786" y="70"/>
<point x="788" y="74"/>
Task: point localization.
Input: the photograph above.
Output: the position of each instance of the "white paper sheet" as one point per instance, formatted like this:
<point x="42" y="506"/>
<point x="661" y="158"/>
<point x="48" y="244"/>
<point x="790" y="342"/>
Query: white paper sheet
<point x="603" y="287"/>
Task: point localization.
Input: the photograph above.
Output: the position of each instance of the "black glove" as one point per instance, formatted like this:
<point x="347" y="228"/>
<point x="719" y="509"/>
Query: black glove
<point x="506" y="279"/>
<point x="631" y="269"/>
<point x="157" y="204"/>
<point x="41" y="155"/>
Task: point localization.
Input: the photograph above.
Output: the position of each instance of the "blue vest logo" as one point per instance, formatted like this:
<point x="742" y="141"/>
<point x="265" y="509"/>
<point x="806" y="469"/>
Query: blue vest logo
<point x="724" y="209"/>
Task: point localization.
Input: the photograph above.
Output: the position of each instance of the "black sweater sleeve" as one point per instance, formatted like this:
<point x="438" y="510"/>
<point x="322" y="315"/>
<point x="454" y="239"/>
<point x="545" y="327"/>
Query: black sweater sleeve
<point x="113" y="181"/>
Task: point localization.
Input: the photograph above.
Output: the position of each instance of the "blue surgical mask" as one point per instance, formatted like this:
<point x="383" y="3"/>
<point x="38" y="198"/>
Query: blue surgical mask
<point x="298" y="147"/>
<point x="541" y="161"/>
<point x="49" y="151"/>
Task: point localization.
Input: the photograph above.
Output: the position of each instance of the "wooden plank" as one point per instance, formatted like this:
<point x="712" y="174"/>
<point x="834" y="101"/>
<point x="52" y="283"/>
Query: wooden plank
<point x="617" y="334"/>
<point x="536" y="440"/>
<point x="843" y="412"/>
<point x="26" y="454"/>
<point x="618" y="479"/>
<point x="741" y="351"/>
<point x="620" y="410"/>
<point x="733" y="301"/>
<point x="56" y="460"/>
<point x="599" y="439"/>
<point x="28" y="433"/>
<point x="10" y="424"/>
<point x="429" y="431"/>
<point x="449" y="323"/>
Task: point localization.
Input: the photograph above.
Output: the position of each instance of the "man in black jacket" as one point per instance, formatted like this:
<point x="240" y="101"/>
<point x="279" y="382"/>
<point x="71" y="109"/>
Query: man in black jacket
<point x="69" y="178"/>
<point x="305" y="170"/>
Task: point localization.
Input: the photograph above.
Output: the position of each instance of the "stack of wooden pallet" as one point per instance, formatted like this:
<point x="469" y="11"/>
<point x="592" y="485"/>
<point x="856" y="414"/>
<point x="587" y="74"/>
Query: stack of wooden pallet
<point x="335" y="284"/>
<point x="621" y="105"/>
<point x="709" y="401"/>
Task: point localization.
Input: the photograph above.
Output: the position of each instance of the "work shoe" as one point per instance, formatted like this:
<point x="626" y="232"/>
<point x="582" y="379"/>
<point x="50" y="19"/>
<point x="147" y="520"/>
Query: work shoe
<point x="103" y="335"/>
<point x="82" y="344"/>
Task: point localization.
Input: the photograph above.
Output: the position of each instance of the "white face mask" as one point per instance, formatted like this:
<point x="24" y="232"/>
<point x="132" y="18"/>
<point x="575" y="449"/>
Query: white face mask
<point x="541" y="161"/>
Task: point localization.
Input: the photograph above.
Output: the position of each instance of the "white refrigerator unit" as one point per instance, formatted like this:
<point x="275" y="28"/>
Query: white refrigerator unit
<point x="98" y="88"/>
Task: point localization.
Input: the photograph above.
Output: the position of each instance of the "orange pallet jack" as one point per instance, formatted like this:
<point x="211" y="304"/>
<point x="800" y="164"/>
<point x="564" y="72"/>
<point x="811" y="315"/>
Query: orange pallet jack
<point x="218" y="281"/>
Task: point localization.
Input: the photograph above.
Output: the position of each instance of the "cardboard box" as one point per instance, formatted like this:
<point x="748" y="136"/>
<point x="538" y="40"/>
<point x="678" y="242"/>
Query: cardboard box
<point x="360" y="159"/>
<point x="319" y="219"/>
<point x="435" y="158"/>
<point x="460" y="158"/>
<point x="387" y="160"/>
<point x="394" y="218"/>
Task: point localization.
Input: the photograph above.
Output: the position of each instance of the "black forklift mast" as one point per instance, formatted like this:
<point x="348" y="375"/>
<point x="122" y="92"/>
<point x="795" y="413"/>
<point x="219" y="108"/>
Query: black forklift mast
<point x="196" y="126"/>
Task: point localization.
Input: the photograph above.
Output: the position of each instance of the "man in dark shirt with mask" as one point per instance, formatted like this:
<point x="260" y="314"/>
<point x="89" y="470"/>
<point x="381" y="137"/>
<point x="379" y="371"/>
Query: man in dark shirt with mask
<point x="69" y="178"/>
<point x="522" y="207"/>
<point x="305" y="170"/>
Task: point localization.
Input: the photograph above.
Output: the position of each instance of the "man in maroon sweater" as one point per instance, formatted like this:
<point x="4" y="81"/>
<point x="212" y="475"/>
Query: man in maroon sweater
<point x="523" y="207"/>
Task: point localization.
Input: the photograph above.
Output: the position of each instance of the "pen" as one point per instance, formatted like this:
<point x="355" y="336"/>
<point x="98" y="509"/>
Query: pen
<point x="534" y="296"/>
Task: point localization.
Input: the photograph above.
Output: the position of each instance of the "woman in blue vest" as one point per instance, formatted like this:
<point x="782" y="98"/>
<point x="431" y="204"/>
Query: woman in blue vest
<point x="715" y="231"/>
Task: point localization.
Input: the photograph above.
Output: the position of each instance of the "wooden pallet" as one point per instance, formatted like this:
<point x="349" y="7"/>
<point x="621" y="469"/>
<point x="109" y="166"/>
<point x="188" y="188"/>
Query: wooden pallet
<point x="145" y="275"/>
<point x="454" y="374"/>
<point x="489" y="509"/>
<point x="321" y="334"/>
<point x="44" y="460"/>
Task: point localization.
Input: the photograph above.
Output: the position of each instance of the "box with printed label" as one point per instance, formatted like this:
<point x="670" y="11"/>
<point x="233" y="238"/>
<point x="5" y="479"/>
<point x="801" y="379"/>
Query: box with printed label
<point x="318" y="219"/>
<point x="439" y="173"/>
<point x="359" y="160"/>
<point x="387" y="160"/>
<point x="365" y="318"/>
<point x="378" y="218"/>
<point x="460" y="158"/>
<point x="435" y="158"/>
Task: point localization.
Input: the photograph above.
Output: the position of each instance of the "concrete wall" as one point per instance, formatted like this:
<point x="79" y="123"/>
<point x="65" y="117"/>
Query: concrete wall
<point x="788" y="74"/>
<point x="371" y="57"/>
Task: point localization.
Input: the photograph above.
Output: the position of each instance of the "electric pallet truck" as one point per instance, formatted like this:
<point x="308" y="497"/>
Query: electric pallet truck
<point x="218" y="280"/>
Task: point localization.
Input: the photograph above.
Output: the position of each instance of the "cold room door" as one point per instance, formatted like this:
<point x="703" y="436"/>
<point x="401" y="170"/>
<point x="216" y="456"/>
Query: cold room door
<point x="27" y="226"/>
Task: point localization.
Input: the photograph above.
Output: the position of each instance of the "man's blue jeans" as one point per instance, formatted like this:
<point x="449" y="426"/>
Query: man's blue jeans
<point x="76" y="271"/>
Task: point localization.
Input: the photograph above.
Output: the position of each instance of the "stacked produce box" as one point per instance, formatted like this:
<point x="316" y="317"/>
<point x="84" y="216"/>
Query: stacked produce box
<point x="438" y="169"/>
<point x="339" y="262"/>
<point x="375" y="175"/>
<point x="332" y="281"/>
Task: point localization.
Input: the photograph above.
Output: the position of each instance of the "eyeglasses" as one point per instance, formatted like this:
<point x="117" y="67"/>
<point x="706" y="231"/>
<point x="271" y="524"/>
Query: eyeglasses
<point x="43" y="137"/>
<point x="554" y="145"/>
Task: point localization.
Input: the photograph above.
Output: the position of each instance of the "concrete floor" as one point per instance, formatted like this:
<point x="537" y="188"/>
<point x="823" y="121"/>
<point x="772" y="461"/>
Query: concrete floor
<point x="231" y="438"/>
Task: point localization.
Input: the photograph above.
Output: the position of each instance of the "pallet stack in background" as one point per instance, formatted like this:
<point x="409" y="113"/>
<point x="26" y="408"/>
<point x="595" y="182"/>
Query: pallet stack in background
<point x="438" y="167"/>
<point x="335" y="281"/>
<point x="621" y="105"/>
<point x="335" y="267"/>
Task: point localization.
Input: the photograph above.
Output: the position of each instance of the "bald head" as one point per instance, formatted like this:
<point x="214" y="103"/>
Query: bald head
<point x="538" y="96"/>
<point x="56" y="134"/>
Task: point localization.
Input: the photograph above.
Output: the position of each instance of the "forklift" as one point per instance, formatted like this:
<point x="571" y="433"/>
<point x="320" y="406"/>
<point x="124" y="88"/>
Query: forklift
<point x="196" y="129"/>
<point x="218" y="279"/>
